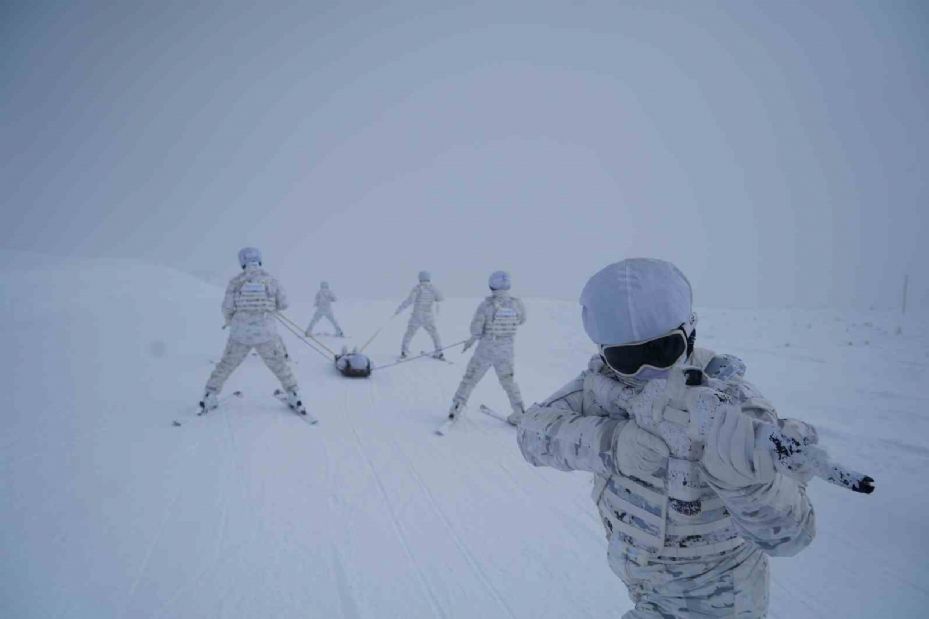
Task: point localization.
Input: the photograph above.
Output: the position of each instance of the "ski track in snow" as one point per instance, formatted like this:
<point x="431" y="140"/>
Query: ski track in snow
<point x="399" y="529"/>
<point x="450" y="528"/>
<point x="348" y="608"/>
<point x="247" y="512"/>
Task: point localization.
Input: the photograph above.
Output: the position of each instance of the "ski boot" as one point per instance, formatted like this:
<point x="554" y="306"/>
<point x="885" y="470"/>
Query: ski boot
<point x="208" y="402"/>
<point x="294" y="402"/>
<point x="517" y="414"/>
<point x="438" y="355"/>
<point x="404" y="354"/>
<point x="456" y="409"/>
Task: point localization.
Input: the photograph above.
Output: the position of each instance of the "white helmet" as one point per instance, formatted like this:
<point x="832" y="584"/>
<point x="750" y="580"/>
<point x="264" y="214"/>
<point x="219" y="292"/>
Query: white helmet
<point x="324" y="284"/>
<point x="635" y="300"/>
<point x="249" y="256"/>
<point x="424" y="276"/>
<point x="499" y="280"/>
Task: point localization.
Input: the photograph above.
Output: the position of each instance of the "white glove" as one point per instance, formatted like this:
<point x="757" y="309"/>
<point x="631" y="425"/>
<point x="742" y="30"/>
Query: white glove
<point x="639" y="453"/>
<point x="468" y="344"/>
<point x="737" y="452"/>
<point x="800" y="431"/>
<point x="799" y="460"/>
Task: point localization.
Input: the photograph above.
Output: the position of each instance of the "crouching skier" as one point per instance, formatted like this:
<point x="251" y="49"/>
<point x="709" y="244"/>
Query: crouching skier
<point x="252" y="298"/>
<point x="494" y="327"/>
<point x="323" y="303"/>
<point x="353" y="364"/>
<point x="423" y="297"/>
<point x="705" y="556"/>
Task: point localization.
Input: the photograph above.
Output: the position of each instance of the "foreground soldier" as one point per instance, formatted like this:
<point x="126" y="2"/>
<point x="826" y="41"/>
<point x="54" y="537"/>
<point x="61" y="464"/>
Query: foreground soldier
<point x="676" y="560"/>
<point x="423" y="297"/>
<point x="252" y="298"/>
<point x="494" y="327"/>
<point x="323" y="303"/>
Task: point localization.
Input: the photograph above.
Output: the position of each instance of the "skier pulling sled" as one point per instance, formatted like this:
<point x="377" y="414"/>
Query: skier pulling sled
<point x="494" y="329"/>
<point x="424" y="297"/>
<point x="253" y="298"/>
<point x="324" y="300"/>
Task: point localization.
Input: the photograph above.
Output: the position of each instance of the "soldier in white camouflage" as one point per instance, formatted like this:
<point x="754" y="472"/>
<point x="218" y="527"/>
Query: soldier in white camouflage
<point x="252" y="298"/>
<point x="494" y="329"/>
<point x="676" y="561"/>
<point x="424" y="297"/>
<point x="324" y="300"/>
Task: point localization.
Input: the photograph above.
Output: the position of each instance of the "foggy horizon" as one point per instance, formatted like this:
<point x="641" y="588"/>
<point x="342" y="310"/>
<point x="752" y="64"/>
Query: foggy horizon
<point x="772" y="152"/>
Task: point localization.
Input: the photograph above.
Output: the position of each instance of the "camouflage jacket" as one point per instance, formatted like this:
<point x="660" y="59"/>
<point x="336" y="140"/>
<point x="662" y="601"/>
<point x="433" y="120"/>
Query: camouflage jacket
<point x="576" y="429"/>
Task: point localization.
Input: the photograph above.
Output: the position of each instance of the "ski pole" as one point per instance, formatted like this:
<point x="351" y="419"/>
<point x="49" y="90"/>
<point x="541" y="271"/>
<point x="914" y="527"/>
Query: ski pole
<point x="296" y="326"/>
<point x="420" y="356"/>
<point x="376" y="333"/>
<point x="299" y="335"/>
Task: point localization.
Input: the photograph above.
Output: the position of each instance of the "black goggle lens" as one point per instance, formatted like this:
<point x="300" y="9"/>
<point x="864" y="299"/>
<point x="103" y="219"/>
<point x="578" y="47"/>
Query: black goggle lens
<point x="661" y="353"/>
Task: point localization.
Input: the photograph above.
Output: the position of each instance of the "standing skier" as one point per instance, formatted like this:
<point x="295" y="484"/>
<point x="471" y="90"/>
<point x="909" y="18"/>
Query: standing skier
<point x="252" y="298"/>
<point x="705" y="556"/>
<point x="494" y="327"/>
<point x="324" y="301"/>
<point x="423" y="297"/>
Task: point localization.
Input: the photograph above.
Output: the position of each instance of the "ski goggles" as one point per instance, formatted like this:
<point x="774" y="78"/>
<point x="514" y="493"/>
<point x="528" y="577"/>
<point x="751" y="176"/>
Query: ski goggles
<point x="660" y="353"/>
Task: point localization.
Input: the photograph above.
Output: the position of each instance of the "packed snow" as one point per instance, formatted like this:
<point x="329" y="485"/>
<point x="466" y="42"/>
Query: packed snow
<point x="108" y="510"/>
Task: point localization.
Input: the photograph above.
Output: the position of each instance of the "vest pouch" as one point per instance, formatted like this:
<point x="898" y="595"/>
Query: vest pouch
<point x="636" y="511"/>
<point x="504" y="322"/>
<point x="253" y="296"/>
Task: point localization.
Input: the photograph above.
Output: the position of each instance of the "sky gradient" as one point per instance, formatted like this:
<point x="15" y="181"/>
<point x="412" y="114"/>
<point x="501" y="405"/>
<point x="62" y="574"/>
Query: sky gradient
<point x="774" y="151"/>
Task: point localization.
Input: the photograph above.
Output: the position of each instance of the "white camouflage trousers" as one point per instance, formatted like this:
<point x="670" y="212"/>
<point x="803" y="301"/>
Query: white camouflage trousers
<point x="272" y="353"/>
<point x="427" y="323"/>
<point x="733" y="585"/>
<point x="499" y="354"/>
<point x="328" y="315"/>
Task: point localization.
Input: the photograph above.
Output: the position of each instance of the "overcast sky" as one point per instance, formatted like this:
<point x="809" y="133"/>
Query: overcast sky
<point x="776" y="151"/>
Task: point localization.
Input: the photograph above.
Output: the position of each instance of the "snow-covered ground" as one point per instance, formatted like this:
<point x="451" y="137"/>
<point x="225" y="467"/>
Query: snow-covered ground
<point x="107" y="510"/>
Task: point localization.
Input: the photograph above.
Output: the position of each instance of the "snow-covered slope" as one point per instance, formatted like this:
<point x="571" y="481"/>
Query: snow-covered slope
<point x="109" y="511"/>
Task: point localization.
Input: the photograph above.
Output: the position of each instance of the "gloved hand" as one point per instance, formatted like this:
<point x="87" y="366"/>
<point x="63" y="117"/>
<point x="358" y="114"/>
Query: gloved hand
<point x="800" y="431"/>
<point x="797" y="462"/>
<point x="639" y="453"/>
<point x="468" y="344"/>
<point x="737" y="452"/>
<point x="397" y="313"/>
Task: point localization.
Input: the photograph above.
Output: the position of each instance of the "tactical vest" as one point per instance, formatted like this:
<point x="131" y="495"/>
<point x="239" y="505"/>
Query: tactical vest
<point x="253" y="296"/>
<point x="649" y="520"/>
<point x="425" y="297"/>
<point x="504" y="321"/>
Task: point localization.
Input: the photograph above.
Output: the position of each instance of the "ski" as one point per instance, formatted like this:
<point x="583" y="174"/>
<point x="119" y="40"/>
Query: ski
<point x="428" y="355"/>
<point x="201" y="412"/>
<point x="301" y="411"/>
<point x="492" y="413"/>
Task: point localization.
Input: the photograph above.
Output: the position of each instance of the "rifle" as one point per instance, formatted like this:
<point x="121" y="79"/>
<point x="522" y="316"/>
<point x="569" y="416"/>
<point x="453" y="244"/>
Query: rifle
<point x="681" y="410"/>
